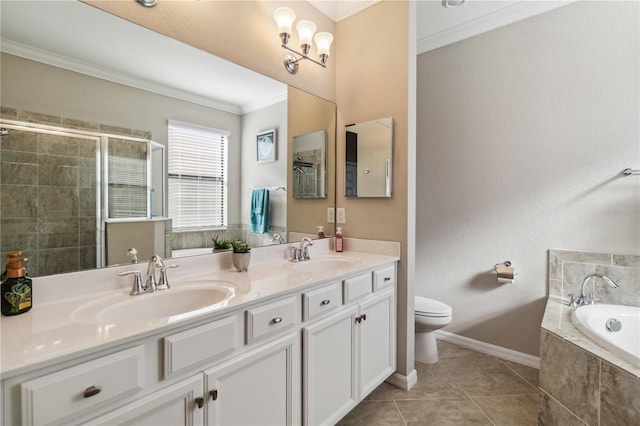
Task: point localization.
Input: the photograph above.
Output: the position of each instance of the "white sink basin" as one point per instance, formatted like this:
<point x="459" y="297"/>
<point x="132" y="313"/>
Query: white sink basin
<point x="173" y="304"/>
<point x="323" y="265"/>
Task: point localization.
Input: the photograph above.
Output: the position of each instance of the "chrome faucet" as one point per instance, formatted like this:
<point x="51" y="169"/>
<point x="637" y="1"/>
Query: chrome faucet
<point x="299" y="254"/>
<point x="151" y="284"/>
<point x="583" y="299"/>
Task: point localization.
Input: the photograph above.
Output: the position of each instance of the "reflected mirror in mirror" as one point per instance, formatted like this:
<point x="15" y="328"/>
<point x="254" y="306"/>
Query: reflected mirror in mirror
<point x="310" y="165"/>
<point x="368" y="161"/>
<point x="68" y="65"/>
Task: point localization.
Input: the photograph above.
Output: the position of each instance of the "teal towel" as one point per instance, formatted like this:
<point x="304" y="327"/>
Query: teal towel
<point x="259" y="211"/>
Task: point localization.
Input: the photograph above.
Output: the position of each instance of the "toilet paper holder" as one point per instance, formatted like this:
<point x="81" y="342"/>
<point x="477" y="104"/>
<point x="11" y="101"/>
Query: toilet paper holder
<point x="504" y="272"/>
<point x="506" y="263"/>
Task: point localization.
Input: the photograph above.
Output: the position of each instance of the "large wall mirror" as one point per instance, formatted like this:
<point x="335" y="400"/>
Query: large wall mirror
<point x="65" y="90"/>
<point x="368" y="158"/>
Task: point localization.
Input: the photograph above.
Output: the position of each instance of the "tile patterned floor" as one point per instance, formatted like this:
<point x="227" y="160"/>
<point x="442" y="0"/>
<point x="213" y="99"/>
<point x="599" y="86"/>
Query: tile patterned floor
<point x="464" y="388"/>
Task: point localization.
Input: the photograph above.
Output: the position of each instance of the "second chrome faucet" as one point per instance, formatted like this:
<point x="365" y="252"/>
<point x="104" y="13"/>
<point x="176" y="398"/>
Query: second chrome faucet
<point x="301" y="253"/>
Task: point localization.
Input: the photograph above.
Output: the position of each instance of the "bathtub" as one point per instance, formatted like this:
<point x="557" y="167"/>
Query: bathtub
<point x="592" y="321"/>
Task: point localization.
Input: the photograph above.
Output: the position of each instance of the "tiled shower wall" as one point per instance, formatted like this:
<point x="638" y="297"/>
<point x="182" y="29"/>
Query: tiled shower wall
<point x="48" y="200"/>
<point x="576" y="386"/>
<point x="48" y="193"/>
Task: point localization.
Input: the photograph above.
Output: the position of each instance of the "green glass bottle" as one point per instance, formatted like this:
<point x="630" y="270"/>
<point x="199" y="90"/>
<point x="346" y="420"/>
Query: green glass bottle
<point x="16" y="288"/>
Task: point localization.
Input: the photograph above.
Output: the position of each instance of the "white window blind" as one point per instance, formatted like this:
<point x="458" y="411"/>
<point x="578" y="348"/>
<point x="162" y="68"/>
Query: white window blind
<point x="197" y="176"/>
<point x="127" y="187"/>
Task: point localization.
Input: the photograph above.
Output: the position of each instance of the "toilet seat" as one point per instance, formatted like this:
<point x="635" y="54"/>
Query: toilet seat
<point x="431" y="308"/>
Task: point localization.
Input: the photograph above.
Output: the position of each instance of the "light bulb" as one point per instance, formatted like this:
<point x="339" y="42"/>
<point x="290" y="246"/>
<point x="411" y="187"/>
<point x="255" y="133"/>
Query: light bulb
<point x="305" y="34"/>
<point x="323" y="44"/>
<point x="284" y="17"/>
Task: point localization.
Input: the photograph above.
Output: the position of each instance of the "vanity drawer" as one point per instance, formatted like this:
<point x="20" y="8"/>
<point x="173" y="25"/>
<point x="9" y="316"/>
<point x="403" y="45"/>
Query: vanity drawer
<point x="82" y="388"/>
<point x="192" y="347"/>
<point x="317" y="302"/>
<point x="271" y="318"/>
<point x="383" y="278"/>
<point x="357" y="287"/>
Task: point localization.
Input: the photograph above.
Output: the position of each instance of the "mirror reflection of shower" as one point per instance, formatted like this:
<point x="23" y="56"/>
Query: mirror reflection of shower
<point x="310" y="165"/>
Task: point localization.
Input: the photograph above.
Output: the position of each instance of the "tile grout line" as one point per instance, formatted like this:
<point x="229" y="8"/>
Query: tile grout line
<point x="404" y="421"/>
<point x="519" y="375"/>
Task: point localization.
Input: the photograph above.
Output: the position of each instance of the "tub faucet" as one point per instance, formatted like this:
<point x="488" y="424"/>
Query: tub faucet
<point x="278" y="238"/>
<point x="583" y="299"/>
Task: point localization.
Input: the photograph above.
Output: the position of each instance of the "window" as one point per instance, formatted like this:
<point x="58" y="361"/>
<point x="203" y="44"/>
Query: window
<point x="197" y="176"/>
<point x="128" y="191"/>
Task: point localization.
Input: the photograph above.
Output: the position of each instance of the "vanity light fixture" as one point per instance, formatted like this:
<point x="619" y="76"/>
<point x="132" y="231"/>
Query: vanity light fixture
<point x="284" y="17"/>
<point x="450" y="4"/>
<point x="148" y="3"/>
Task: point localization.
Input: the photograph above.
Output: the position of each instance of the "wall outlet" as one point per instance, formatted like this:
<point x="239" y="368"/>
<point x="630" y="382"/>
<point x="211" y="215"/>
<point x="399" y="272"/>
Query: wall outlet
<point x="341" y="215"/>
<point x="331" y="215"/>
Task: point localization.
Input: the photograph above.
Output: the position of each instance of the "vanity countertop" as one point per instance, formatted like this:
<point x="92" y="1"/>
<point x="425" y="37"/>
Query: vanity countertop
<point x="557" y="320"/>
<point x="48" y="333"/>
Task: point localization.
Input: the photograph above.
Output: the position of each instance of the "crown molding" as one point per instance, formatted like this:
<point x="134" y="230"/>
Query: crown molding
<point x="59" y="61"/>
<point x="338" y="10"/>
<point x="499" y="18"/>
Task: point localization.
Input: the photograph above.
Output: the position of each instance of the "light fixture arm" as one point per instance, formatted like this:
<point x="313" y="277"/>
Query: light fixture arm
<point x="303" y="56"/>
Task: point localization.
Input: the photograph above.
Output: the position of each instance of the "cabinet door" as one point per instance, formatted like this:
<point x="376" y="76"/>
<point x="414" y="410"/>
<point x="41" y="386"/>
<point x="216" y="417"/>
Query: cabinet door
<point x="377" y="332"/>
<point x="260" y="387"/>
<point x="174" y="405"/>
<point x="329" y="380"/>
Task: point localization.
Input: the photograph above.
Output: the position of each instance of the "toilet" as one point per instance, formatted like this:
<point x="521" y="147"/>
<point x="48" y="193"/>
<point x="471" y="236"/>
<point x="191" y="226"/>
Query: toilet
<point x="431" y="315"/>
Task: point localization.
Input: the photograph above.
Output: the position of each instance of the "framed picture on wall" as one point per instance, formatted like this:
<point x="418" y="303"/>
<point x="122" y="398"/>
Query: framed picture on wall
<point x="266" y="146"/>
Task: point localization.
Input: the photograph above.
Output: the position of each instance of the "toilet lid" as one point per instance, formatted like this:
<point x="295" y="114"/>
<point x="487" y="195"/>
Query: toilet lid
<point x="431" y="308"/>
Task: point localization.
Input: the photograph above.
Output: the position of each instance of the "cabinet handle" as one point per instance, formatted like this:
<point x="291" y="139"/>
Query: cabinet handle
<point x="359" y="319"/>
<point x="325" y="302"/>
<point x="277" y="320"/>
<point x="199" y="401"/>
<point x="387" y="278"/>
<point x="92" y="391"/>
<point x="214" y="394"/>
<point x="364" y="317"/>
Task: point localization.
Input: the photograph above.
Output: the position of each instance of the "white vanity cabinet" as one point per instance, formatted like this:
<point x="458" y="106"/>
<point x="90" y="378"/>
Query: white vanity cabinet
<point x="350" y="352"/>
<point x="306" y="356"/>
<point x="261" y="387"/>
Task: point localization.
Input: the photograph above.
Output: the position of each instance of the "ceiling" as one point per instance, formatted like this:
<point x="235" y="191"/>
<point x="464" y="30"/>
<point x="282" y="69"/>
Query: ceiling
<point x="48" y="31"/>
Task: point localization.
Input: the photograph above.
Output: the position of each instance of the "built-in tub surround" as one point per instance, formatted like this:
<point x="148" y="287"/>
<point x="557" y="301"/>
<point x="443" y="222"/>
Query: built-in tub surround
<point x="580" y="381"/>
<point x="48" y="334"/>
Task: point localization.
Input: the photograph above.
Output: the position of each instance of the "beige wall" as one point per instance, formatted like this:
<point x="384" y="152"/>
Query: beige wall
<point x="242" y="32"/>
<point x="372" y="60"/>
<point x="522" y="136"/>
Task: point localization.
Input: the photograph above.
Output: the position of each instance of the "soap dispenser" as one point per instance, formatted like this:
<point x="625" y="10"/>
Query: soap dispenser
<point x="16" y="288"/>
<point x="320" y="231"/>
<point x="10" y="255"/>
<point x="339" y="247"/>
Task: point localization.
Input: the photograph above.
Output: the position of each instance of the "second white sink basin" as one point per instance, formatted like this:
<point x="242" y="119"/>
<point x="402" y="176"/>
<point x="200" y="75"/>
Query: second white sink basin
<point x="175" y="303"/>
<point x="323" y="265"/>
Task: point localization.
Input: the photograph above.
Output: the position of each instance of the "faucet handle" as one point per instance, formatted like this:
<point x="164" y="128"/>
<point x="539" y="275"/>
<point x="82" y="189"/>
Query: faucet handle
<point x="163" y="283"/>
<point x="573" y="301"/>
<point x="137" y="287"/>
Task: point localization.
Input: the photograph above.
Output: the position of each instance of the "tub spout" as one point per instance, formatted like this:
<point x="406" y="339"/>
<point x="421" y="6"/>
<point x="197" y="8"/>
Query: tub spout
<point x="582" y="298"/>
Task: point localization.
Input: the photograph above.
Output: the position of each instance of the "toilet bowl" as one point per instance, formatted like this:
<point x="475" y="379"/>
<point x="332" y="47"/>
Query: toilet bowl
<point x="431" y="315"/>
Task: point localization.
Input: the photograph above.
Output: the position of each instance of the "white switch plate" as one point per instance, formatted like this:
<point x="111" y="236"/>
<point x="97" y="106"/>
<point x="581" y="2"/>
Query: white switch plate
<point x="341" y="215"/>
<point x="331" y="215"/>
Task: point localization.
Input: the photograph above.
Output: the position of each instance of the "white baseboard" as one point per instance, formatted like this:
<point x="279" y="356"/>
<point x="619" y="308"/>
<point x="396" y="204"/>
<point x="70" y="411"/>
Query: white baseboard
<point x="489" y="349"/>
<point x="403" y="382"/>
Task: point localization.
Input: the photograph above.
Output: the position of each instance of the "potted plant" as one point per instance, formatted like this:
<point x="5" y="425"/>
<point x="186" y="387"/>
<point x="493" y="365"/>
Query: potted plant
<point x="241" y="256"/>
<point x="220" y="244"/>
